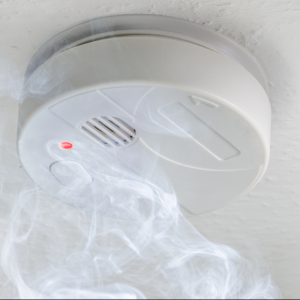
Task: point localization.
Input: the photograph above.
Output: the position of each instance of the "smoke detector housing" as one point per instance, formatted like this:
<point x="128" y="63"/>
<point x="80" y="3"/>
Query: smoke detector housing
<point x="140" y="88"/>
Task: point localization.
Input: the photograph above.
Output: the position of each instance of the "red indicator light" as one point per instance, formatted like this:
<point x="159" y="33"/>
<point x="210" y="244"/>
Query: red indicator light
<point x="66" y="145"/>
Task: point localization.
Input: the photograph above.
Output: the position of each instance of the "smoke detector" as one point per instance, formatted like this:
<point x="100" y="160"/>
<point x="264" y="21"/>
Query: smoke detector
<point x="135" y="89"/>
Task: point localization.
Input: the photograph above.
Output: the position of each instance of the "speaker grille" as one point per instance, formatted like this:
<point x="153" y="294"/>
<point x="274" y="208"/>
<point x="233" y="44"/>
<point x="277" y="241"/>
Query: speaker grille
<point x="109" y="131"/>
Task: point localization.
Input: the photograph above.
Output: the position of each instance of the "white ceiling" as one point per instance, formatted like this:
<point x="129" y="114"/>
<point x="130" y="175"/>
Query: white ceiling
<point x="269" y="217"/>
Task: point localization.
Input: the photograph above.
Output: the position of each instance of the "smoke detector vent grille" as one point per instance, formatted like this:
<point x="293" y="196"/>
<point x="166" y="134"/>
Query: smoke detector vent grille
<point x="109" y="131"/>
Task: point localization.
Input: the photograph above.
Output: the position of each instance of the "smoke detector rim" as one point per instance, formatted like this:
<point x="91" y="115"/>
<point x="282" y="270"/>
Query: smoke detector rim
<point x="146" y="24"/>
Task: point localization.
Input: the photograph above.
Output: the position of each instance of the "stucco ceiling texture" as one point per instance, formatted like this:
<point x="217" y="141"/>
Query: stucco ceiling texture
<point x="268" y="219"/>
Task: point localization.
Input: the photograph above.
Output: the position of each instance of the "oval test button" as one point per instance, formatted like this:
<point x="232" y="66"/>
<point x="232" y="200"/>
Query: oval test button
<point x="71" y="174"/>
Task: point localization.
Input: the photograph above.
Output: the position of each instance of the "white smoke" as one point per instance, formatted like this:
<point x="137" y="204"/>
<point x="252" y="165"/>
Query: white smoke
<point x="141" y="248"/>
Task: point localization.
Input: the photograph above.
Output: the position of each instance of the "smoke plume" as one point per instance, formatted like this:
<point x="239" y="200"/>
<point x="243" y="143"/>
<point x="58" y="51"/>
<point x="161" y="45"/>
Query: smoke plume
<point x="133" y="243"/>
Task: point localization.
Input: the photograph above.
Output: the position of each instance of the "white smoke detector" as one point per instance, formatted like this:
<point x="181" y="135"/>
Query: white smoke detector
<point x="142" y="88"/>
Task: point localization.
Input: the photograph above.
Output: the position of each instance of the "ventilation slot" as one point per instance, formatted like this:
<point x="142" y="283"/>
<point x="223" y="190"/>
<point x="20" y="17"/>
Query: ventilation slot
<point x="109" y="132"/>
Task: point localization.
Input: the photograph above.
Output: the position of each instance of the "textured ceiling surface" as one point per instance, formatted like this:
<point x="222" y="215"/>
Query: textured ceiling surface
<point x="268" y="219"/>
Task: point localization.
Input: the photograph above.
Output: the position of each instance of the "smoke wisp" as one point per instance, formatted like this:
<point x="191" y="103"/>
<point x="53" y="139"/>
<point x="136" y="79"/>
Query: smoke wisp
<point x="133" y="243"/>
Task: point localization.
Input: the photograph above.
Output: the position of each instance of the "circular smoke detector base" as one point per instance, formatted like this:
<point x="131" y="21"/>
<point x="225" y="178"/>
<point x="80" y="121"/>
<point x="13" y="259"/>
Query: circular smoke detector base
<point x="129" y="90"/>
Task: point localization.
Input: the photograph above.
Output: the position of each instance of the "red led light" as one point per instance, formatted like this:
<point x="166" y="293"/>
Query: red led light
<point x="66" y="145"/>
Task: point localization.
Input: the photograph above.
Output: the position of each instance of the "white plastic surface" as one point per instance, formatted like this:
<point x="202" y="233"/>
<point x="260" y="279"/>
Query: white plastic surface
<point x="155" y="25"/>
<point x="70" y="174"/>
<point x="202" y="117"/>
<point x="198" y="131"/>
